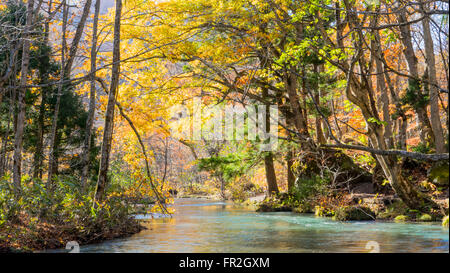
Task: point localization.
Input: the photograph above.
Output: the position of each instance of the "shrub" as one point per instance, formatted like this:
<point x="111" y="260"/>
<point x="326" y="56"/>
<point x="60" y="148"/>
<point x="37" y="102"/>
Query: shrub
<point x="445" y="221"/>
<point x="39" y="214"/>
<point x="402" y="218"/>
<point x="308" y="188"/>
<point x="323" y="211"/>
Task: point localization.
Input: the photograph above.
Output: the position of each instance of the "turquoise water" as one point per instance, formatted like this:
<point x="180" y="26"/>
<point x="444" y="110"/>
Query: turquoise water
<point x="211" y="226"/>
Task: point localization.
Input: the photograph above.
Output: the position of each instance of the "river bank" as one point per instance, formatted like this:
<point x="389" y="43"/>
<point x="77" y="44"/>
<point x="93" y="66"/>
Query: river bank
<point x="28" y="236"/>
<point x="352" y="207"/>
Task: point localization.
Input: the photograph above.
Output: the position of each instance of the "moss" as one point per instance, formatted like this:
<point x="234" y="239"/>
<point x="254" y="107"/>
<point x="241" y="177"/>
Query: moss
<point x="445" y="221"/>
<point x="402" y="218"/>
<point x="359" y="213"/>
<point x="393" y="210"/>
<point x="272" y="204"/>
<point x="439" y="173"/>
<point x="323" y="212"/>
<point x="425" y="218"/>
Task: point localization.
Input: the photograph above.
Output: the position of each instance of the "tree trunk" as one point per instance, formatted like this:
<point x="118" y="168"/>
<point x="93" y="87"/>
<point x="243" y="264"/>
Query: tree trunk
<point x="320" y="138"/>
<point x="298" y="118"/>
<point x="426" y="132"/>
<point x="38" y="155"/>
<point x="403" y="121"/>
<point x="271" y="178"/>
<point x="109" y="118"/>
<point x="434" y="92"/>
<point x="52" y="154"/>
<point x="76" y="39"/>
<point x="3" y="152"/>
<point x="18" y="140"/>
<point x="290" y="173"/>
<point x="381" y="86"/>
<point x="90" y="120"/>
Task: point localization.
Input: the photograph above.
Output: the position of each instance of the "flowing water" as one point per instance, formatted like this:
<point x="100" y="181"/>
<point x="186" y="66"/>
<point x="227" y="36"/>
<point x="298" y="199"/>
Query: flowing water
<point x="212" y="226"/>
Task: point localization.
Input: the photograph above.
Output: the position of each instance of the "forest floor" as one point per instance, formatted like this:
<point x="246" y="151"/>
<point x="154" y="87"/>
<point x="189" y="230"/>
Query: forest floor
<point x="28" y="235"/>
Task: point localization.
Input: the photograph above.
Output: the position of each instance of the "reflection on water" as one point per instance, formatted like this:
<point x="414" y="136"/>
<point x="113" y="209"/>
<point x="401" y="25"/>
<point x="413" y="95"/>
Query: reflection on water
<point x="211" y="226"/>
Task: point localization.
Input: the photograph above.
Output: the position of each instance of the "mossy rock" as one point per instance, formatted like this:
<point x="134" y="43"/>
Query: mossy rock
<point x="394" y="209"/>
<point x="358" y="213"/>
<point x="445" y="221"/>
<point x="425" y="218"/>
<point x="339" y="161"/>
<point x="271" y="206"/>
<point x="439" y="173"/>
<point x="263" y="207"/>
<point x="402" y="218"/>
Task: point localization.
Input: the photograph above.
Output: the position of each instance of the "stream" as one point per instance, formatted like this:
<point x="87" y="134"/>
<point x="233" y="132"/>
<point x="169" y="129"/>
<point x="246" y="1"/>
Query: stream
<point x="200" y="225"/>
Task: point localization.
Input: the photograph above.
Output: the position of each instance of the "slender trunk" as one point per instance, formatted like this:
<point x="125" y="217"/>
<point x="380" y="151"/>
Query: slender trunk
<point x="290" y="173"/>
<point x="109" y="118"/>
<point x="381" y="86"/>
<point x="402" y="133"/>
<point x="403" y="121"/>
<point x="426" y="132"/>
<point x="3" y="153"/>
<point x="52" y="154"/>
<point x="19" y="130"/>
<point x="434" y="92"/>
<point x="271" y="178"/>
<point x="333" y="112"/>
<point x="90" y="119"/>
<point x="76" y="39"/>
<point x="39" y="153"/>
<point x="320" y="138"/>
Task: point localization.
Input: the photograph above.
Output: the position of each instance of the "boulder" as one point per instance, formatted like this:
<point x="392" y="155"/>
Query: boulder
<point x="357" y="213"/>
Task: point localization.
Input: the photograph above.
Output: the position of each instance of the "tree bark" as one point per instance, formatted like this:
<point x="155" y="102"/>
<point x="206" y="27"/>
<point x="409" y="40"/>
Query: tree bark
<point x="426" y="132"/>
<point x="39" y="152"/>
<point x="76" y="39"/>
<point x="290" y="173"/>
<point x="91" y="113"/>
<point x="109" y="118"/>
<point x="381" y="86"/>
<point x="18" y="140"/>
<point x="52" y="165"/>
<point x="271" y="178"/>
<point x="434" y="92"/>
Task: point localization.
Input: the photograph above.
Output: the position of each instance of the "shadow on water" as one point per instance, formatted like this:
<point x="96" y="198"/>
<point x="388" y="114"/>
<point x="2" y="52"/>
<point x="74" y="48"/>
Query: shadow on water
<point x="214" y="226"/>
